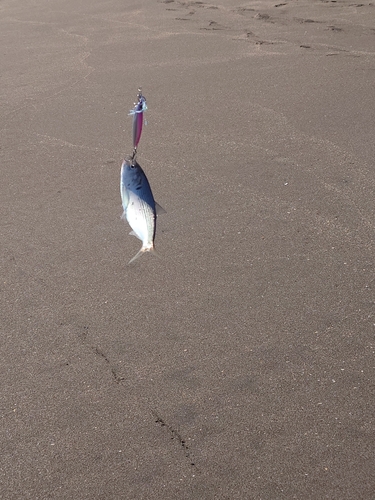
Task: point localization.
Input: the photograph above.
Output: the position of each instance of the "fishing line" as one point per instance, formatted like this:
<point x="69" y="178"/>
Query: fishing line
<point x="140" y="105"/>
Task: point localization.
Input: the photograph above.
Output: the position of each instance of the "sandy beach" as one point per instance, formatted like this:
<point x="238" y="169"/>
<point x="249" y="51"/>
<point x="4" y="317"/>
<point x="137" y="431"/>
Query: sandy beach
<point x="241" y="364"/>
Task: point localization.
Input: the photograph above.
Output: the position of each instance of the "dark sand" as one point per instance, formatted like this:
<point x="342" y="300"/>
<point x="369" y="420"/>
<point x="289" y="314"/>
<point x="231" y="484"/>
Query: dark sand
<point x="241" y="364"/>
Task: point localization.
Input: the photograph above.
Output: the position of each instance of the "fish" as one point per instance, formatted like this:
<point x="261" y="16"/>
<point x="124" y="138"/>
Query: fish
<point x="140" y="207"/>
<point x="139" y="108"/>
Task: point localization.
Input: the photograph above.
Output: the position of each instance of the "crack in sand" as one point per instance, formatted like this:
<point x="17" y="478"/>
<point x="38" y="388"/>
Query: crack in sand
<point x="100" y="354"/>
<point x="62" y="142"/>
<point x="36" y="23"/>
<point x="176" y="436"/>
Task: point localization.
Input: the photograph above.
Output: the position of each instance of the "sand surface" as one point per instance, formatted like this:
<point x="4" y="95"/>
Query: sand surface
<point x="240" y="365"/>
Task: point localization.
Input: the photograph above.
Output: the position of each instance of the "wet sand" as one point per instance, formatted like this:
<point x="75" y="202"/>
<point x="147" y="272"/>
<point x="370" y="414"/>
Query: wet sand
<point x="240" y="365"/>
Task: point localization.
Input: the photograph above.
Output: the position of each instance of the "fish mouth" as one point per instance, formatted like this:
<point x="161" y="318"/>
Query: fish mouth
<point x="129" y="161"/>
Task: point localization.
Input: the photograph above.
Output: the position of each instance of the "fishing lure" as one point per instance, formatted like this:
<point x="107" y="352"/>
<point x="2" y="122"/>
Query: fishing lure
<point x="139" y="108"/>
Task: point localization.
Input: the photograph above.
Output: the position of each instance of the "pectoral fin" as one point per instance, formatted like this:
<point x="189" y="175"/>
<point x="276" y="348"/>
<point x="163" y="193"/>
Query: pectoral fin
<point x="133" y="233"/>
<point x="159" y="209"/>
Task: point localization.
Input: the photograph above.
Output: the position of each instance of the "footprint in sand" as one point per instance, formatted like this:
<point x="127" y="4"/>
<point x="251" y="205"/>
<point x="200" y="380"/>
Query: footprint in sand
<point x="334" y="28"/>
<point x="244" y="10"/>
<point x="263" y="17"/>
<point x="302" y="20"/>
<point x="214" y="26"/>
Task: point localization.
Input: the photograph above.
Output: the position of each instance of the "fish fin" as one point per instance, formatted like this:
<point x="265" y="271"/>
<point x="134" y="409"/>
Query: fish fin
<point x="141" y="251"/>
<point x="133" y="233"/>
<point x="159" y="209"/>
<point x="136" y="256"/>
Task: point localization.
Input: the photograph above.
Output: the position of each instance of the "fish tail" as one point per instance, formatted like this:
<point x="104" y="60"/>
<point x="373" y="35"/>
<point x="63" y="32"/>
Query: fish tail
<point x="143" y="250"/>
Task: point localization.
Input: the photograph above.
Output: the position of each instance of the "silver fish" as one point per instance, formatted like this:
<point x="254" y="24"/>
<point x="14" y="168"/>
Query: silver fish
<point x="140" y="208"/>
